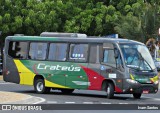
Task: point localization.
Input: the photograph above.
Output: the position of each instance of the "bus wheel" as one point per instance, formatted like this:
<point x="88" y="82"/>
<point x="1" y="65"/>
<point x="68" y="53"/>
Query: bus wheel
<point x="67" y="91"/>
<point x="137" y="95"/>
<point x="39" y="86"/>
<point x="110" y="90"/>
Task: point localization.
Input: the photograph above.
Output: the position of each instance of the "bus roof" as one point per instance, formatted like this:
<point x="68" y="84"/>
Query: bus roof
<point x="72" y="39"/>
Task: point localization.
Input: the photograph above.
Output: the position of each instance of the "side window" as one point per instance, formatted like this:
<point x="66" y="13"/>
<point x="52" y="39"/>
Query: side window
<point x="57" y="51"/>
<point x="93" y="53"/>
<point x="100" y="53"/>
<point x="109" y="56"/>
<point x="38" y="50"/>
<point x="18" y="49"/>
<point x="78" y="52"/>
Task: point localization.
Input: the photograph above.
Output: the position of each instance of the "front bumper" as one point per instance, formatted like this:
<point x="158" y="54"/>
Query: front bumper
<point x="141" y="88"/>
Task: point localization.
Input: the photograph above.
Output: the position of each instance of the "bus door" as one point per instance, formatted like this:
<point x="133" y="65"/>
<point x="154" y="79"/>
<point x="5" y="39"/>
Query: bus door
<point x="59" y="67"/>
<point x="94" y="73"/>
<point x="57" y="76"/>
<point x="77" y="76"/>
<point x="111" y="66"/>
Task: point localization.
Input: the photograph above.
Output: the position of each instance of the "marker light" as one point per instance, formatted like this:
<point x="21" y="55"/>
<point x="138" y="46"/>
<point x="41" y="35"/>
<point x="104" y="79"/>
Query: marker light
<point x="132" y="81"/>
<point x="156" y="82"/>
<point x="131" y="89"/>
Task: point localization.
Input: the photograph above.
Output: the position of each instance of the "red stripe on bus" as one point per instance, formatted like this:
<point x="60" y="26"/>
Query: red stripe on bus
<point x="95" y="79"/>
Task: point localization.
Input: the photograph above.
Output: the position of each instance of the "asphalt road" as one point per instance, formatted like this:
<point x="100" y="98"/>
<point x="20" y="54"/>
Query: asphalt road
<point x="80" y="96"/>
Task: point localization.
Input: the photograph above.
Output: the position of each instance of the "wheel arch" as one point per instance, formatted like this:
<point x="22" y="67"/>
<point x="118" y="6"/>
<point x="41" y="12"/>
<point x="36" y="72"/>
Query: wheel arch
<point x="41" y="79"/>
<point x="104" y="83"/>
<point x="38" y="77"/>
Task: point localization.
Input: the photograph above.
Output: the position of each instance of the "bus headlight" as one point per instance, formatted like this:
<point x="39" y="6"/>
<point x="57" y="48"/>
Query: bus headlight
<point x="131" y="81"/>
<point x="156" y="82"/>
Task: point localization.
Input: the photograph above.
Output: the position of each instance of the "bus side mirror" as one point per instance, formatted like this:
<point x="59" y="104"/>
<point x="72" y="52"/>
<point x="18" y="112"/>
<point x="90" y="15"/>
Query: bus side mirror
<point x="116" y="53"/>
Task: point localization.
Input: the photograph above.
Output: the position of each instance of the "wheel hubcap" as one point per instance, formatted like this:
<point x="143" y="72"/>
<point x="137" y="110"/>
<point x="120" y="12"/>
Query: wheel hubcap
<point x="108" y="90"/>
<point x="40" y="86"/>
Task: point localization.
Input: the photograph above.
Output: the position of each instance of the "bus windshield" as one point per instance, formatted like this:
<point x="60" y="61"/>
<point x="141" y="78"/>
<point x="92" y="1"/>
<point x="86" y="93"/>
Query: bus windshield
<point x="137" y="56"/>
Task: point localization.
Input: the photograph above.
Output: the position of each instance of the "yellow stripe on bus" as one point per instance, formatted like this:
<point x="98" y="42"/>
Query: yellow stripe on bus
<point x="131" y="76"/>
<point x="51" y="84"/>
<point x="27" y="76"/>
<point x="154" y="79"/>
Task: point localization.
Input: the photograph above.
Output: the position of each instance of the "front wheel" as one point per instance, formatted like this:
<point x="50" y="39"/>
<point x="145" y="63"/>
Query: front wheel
<point x="110" y="90"/>
<point x="137" y="95"/>
<point x="39" y="86"/>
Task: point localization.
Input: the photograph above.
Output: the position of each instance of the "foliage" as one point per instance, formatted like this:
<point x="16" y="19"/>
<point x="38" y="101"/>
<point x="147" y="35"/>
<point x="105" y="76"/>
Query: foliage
<point x="132" y="19"/>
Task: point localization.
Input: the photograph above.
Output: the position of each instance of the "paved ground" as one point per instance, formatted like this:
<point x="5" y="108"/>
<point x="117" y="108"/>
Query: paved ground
<point x="20" y="97"/>
<point x="17" y="98"/>
<point x="11" y="97"/>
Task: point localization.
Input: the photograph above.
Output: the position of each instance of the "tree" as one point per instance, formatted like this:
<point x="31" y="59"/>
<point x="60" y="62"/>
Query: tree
<point x="141" y="21"/>
<point x="129" y="18"/>
<point x="130" y="27"/>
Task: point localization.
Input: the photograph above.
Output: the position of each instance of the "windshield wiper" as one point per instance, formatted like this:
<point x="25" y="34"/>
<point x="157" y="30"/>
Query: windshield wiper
<point x="133" y="67"/>
<point x="141" y="58"/>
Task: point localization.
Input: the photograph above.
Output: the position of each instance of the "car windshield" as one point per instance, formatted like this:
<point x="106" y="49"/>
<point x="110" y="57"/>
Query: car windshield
<point x="137" y="56"/>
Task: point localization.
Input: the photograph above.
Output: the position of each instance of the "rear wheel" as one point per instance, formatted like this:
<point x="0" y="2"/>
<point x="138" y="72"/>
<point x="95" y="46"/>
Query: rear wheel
<point x="39" y="86"/>
<point x="67" y="91"/>
<point x="110" y="90"/>
<point x="137" y="95"/>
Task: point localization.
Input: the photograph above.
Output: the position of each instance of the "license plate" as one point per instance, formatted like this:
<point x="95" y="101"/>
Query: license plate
<point x="145" y="91"/>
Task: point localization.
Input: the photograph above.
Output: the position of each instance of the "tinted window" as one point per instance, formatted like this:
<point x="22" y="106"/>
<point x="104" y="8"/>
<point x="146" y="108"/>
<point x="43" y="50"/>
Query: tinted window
<point x="109" y="56"/>
<point x="18" y="49"/>
<point x="38" y="51"/>
<point x="93" y="54"/>
<point x="78" y="52"/>
<point x="57" y="51"/>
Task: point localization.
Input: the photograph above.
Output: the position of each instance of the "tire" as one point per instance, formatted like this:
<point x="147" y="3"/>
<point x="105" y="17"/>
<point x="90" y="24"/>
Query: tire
<point x="67" y="91"/>
<point x="40" y="88"/>
<point x="110" y="90"/>
<point x="137" y="95"/>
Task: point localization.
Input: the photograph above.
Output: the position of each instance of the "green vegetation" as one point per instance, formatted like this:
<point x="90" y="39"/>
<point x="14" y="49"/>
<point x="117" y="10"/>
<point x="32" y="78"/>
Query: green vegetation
<point x="132" y="19"/>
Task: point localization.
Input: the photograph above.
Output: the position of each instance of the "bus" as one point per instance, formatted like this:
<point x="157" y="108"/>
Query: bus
<point x="73" y="62"/>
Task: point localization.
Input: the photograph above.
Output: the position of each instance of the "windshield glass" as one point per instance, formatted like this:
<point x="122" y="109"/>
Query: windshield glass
<point x="137" y="56"/>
